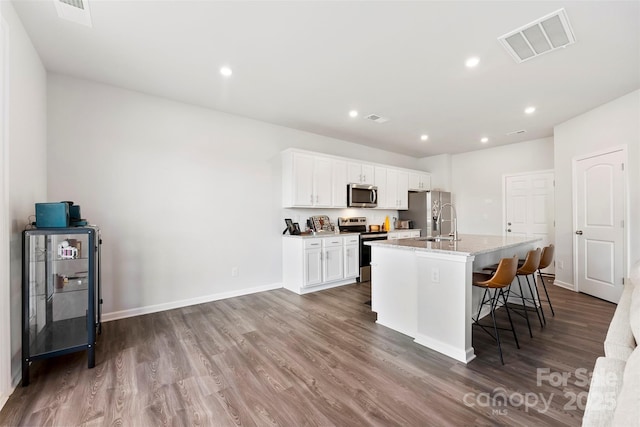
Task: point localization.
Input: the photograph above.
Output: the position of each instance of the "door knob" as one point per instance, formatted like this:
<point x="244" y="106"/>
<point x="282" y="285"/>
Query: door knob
<point x="579" y="232"/>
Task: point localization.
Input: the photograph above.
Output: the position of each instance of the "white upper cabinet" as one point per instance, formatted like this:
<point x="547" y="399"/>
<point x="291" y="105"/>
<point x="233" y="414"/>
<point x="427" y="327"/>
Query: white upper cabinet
<point x="360" y="173"/>
<point x="320" y="181"/>
<point x="403" y="190"/>
<point x="396" y="189"/>
<point x="380" y="181"/>
<point x="419" y="181"/>
<point x="392" y="189"/>
<point x="307" y="181"/>
<point x="340" y="182"/>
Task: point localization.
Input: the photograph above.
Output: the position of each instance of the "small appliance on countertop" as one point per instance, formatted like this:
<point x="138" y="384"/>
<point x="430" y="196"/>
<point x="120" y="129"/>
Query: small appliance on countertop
<point x="403" y="224"/>
<point x="321" y="223"/>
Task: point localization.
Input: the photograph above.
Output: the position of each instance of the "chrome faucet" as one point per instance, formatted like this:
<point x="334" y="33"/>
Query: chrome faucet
<point x="454" y="219"/>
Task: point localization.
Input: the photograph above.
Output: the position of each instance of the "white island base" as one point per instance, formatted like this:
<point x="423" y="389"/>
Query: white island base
<point x="424" y="289"/>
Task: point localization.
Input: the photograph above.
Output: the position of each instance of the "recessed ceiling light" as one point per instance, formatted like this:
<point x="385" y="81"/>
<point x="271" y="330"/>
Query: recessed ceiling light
<point x="353" y="113"/>
<point x="226" y="71"/>
<point x="484" y="140"/>
<point x="472" y="62"/>
<point x="530" y="110"/>
<point x="424" y="137"/>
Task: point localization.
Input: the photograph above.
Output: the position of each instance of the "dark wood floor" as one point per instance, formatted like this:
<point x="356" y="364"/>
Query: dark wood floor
<point x="277" y="358"/>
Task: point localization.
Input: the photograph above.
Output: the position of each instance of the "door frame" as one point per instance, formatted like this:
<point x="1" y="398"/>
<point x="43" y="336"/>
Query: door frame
<point x="625" y="208"/>
<point x="504" y="192"/>
<point x="6" y="386"/>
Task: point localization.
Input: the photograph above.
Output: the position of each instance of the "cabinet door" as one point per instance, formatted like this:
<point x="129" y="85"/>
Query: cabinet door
<point x="339" y="183"/>
<point x="380" y="181"/>
<point x="368" y="175"/>
<point x="414" y="181"/>
<point x="392" y="189"/>
<point x="322" y="173"/>
<point x="303" y="180"/>
<point x="313" y="266"/>
<point x="351" y="261"/>
<point x="426" y="182"/>
<point x="419" y="181"/>
<point x="354" y="173"/>
<point x="403" y="190"/>
<point x="333" y="267"/>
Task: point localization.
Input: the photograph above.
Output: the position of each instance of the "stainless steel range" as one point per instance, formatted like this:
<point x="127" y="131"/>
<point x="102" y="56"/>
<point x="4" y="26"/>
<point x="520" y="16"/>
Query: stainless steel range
<point x="358" y="224"/>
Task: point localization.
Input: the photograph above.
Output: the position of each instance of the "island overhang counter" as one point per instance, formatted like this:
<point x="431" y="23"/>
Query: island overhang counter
<point x="423" y="289"/>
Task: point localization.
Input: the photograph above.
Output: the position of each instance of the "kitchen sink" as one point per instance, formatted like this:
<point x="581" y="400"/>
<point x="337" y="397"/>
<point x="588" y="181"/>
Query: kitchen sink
<point x="435" y="238"/>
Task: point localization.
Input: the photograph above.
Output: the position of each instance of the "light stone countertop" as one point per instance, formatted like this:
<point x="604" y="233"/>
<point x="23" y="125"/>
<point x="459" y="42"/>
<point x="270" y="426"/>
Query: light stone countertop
<point x="319" y="235"/>
<point x="469" y="244"/>
<point x="344" y="233"/>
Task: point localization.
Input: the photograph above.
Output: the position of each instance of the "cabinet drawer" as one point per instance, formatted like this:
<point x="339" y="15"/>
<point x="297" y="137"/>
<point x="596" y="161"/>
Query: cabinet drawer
<point x="312" y="243"/>
<point x="332" y="241"/>
<point x="352" y="240"/>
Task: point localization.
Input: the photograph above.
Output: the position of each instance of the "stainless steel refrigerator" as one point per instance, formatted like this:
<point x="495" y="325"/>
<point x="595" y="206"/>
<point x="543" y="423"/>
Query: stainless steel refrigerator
<point x="424" y="208"/>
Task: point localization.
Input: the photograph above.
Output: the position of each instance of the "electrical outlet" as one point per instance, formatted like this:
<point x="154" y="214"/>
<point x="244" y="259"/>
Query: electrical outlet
<point x="435" y="275"/>
<point x="235" y="271"/>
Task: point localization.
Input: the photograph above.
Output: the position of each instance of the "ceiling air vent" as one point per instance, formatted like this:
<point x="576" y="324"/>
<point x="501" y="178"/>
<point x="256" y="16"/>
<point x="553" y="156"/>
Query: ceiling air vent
<point x="74" y="10"/>
<point x="544" y="35"/>
<point x="377" y="119"/>
<point x="516" y="132"/>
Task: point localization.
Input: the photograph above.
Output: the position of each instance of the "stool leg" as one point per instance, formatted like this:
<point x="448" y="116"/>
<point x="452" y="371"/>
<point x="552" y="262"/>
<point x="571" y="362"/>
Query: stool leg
<point x="494" y="303"/>
<point x="524" y="307"/>
<point x="533" y="298"/>
<point x="477" y="319"/>
<point x="544" y="286"/>
<point x="515" y="337"/>
<point x="535" y="288"/>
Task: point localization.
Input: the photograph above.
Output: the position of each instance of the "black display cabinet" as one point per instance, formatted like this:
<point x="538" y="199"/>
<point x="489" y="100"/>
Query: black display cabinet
<point x="61" y="297"/>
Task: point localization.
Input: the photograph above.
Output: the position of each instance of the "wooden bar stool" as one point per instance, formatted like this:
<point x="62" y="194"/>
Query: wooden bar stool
<point x="494" y="286"/>
<point x="545" y="261"/>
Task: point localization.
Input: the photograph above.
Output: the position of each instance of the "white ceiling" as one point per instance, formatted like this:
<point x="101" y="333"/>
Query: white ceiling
<point x="305" y="64"/>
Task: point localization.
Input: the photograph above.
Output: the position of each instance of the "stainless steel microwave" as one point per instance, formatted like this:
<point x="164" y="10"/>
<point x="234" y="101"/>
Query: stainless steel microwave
<point x="362" y="196"/>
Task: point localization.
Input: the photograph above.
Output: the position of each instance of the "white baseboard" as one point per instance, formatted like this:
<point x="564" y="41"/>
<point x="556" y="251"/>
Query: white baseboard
<point x="564" y="285"/>
<point x="3" y="399"/>
<point x="107" y="317"/>
<point x="462" y="355"/>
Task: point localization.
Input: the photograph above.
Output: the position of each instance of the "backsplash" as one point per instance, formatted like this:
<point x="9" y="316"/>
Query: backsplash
<point x="374" y="216"/>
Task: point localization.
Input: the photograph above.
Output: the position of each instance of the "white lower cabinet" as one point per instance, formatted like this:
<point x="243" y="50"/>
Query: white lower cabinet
<point x="403" y="234"/>
<point x="351" y="257"/>
<point x="332" y="261"/>
<point x="315" y="263"/>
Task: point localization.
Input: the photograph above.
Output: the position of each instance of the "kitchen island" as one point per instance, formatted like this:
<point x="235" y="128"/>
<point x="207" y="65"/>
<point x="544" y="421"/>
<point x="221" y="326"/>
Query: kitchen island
<point x="424" y="288"/>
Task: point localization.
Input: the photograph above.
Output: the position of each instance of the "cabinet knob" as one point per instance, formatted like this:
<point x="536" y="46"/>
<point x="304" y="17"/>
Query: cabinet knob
<point x="579" y="232"/>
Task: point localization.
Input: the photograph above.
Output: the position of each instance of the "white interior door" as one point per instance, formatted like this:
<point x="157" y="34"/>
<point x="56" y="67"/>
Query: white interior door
<point x="529" y="206"/>
<point x="599" y="225"/>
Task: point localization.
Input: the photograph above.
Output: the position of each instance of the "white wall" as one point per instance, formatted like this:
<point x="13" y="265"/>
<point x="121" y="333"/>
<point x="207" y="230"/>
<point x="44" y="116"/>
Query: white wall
<point x="477" y="181"/>
<point x="610" y="125"/>
<point x="27" y="161"/>
<point x="182" y="194"/>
